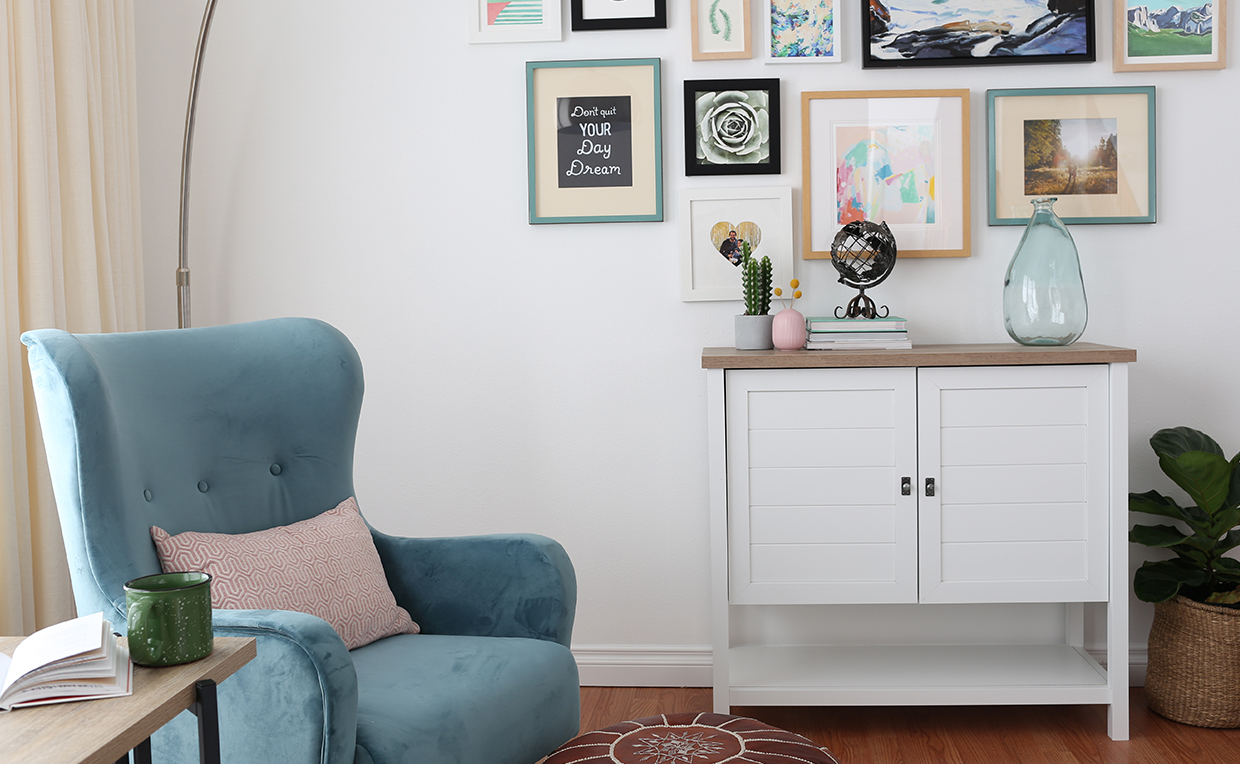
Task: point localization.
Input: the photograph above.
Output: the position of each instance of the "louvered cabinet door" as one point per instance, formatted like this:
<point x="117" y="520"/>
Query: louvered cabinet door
<point x="1019" y="509"/>
<point x="816" y="462"/>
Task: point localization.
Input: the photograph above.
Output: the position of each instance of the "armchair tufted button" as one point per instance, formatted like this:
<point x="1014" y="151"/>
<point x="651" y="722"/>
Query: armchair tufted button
<point x="147" y="494"/>
<point x="202" y="486"/>
<point x="275" y="469"/>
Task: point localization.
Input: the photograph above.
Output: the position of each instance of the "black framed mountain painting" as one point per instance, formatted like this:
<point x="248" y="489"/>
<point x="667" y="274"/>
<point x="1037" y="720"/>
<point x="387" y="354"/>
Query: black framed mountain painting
<point x="900" y="33"/>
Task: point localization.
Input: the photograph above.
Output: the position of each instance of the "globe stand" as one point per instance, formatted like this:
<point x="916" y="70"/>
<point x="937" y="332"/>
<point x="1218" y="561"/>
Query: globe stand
<point x="861" y="307"/>
<point x="864" y="253"/>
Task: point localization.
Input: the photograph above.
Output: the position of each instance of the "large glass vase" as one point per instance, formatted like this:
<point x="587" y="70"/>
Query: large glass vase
<point x="1043" y="293"/>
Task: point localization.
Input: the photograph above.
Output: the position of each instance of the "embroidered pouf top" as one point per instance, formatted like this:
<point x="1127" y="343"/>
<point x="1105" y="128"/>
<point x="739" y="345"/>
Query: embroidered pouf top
<point x="691" y="739"/>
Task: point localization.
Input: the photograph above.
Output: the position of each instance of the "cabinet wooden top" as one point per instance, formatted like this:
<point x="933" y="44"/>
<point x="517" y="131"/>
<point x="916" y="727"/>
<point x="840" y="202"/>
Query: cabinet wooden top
<point x="997" y="354"/>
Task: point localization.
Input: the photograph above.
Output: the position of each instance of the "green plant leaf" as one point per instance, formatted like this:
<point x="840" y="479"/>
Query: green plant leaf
<point x="1162" y="580"/>
<point x="1176" y="441"/>
<point x="1227" y="564"/>
<point x="1233" y="490"/>
<point x="1157" y="535"/>
<point x="1224" y="520"/>
<point x="1154" y="503"/>
<point x="1203" y="476"/>
<point x="1228" y="542"/>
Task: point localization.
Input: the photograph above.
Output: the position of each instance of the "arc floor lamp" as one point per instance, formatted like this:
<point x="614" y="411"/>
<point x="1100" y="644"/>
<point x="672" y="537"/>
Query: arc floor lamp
<point x="186" y="152"/>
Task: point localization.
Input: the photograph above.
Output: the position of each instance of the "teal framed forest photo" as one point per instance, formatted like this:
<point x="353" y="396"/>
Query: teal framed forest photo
<point x="1091" y="148"/>
<point x="595" y="141"/>
<point x="1161" y="35"/>
<point x="720" y="29"/>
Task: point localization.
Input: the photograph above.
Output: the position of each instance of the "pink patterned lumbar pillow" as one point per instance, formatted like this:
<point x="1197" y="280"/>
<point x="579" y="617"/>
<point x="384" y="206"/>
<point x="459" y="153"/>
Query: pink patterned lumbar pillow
<point x="326" y="566"/>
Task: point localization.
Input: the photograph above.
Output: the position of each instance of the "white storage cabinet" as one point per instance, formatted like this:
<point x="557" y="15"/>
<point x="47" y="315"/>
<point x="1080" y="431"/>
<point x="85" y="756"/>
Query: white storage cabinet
<point x="944" y="475"/>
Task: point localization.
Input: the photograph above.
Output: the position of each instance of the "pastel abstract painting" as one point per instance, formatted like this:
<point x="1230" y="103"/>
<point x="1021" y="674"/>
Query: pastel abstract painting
<point x="802" y="29"/>
<point x="886" y="173"/>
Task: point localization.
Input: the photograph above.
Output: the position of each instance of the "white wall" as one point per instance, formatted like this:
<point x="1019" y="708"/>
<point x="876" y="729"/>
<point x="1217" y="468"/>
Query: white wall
<point x="359" y="162"/>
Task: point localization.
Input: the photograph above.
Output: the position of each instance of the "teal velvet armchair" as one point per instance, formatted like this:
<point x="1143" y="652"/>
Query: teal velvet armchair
<point x="184" y="429"/>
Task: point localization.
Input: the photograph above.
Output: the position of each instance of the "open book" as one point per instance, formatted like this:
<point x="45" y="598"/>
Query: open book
<point x="75" y="660"/>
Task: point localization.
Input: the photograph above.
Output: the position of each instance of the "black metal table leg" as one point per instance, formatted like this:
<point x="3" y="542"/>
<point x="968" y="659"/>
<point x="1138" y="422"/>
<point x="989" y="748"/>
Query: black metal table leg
<point x="207" y="711"/>
<point x="141" y="754"/>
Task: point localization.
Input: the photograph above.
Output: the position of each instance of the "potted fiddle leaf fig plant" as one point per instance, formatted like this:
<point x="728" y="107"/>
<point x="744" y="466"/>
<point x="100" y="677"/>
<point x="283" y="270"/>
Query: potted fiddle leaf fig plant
<point x="1193" y="674"/>
<point x="753" y="327"/>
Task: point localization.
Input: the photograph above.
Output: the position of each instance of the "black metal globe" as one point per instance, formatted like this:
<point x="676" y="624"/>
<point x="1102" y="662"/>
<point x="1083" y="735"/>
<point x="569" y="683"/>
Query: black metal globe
<point x="864" y="253"/>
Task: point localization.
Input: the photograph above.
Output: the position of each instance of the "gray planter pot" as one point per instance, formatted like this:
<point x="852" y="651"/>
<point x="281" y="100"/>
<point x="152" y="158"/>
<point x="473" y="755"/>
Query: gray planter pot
<point x="754" y="332"/>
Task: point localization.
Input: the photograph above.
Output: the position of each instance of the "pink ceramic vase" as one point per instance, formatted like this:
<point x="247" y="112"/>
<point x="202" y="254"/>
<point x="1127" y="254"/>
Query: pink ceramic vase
<point x="788" y="330"/>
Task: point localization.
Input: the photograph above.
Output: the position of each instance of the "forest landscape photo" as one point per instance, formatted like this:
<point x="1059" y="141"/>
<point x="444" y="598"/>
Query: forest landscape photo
<point x="1070" y="156"/>
<point x="939" y="32"/>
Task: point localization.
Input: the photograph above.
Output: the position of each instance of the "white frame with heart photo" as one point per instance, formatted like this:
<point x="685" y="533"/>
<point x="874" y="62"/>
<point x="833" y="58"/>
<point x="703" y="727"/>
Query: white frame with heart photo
<point x="705" y="272"/>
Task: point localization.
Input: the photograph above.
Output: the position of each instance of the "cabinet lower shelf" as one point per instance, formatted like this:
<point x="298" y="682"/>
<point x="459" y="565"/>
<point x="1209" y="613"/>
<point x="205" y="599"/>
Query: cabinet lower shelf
<point x="907" y="675"/>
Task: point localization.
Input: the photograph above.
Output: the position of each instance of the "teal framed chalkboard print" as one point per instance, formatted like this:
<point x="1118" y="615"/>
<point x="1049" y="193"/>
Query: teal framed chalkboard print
<point x="595" y="142"/>
<point x="1094" y="149"/>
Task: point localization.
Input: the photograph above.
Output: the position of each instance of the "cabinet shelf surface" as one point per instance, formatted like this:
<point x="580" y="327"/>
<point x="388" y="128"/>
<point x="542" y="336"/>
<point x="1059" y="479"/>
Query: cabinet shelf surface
<point x="915" y="675"/>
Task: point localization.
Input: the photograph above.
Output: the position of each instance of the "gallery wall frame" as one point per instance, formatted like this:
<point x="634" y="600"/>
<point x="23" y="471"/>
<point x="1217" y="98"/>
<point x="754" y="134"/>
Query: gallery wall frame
<point x="800" y="31"/>
<point x="1094" y="149"/>
<point x="897" y="156"/>
<point x="1149" y="37"/>
<point x="708" y="215"/>
<point x="720" y="29"/>
<point x="732" y="127"/>
<point x="591" y="15"/>
<point x="915" y="33"/>
<point x="594" y="141"/>
<point x="515" y="21"/>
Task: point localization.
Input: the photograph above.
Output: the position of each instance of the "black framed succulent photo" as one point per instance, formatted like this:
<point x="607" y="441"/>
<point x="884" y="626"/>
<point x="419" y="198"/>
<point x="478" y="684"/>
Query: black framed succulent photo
<point x="732" y="127"/>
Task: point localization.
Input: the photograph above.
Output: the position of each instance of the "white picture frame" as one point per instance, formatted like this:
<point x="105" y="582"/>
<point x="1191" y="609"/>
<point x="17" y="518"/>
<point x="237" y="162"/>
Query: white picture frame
<point x="522" y="21"/>
<point x="793" y="47"/>
<point x="705" y="273"/>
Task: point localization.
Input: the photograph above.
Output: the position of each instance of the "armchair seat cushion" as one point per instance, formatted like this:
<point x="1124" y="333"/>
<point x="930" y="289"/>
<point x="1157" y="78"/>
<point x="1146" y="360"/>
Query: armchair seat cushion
<point x="437" y="698"/>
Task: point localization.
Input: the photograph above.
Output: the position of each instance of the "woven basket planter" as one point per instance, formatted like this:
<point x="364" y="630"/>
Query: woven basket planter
<point x="1194" y="667"/>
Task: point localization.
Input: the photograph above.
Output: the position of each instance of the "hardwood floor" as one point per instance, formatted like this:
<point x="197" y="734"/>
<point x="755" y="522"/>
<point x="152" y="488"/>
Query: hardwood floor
<point x="947" y="735"/>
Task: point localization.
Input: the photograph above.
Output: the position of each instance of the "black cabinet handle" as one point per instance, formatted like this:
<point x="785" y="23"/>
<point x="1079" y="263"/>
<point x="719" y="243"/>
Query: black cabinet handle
<point x="929" y="486"/>
<point x="906" y="486"/>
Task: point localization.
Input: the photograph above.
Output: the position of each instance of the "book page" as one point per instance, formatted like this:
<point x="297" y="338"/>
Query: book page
<point x="56" y="642"/>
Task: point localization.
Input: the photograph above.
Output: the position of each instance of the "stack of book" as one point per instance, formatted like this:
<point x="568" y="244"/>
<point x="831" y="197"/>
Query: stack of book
<point x="830" y="333"/>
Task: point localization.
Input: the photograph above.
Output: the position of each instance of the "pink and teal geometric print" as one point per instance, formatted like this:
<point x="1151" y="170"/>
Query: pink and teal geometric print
<point x="515" y="13"/>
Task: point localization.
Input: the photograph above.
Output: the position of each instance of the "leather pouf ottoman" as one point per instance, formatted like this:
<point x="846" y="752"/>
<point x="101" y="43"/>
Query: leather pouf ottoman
<point x="691" y="739"/>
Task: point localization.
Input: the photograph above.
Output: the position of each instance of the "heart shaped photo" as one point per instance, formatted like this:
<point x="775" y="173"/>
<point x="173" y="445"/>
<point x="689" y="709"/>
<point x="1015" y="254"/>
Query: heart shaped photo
<point x="734" y="242"/>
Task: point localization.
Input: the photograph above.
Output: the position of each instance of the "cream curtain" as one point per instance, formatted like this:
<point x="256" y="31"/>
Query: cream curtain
<point x="72" y="259"/>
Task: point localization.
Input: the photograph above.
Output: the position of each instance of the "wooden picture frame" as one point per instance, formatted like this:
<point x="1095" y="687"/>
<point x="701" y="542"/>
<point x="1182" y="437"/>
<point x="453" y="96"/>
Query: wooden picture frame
<point x="591" y="15"/>
<point x="949" y="33"/>
<point x="1094" y="149"/>
<point x="898" y="156"/>
<point x="801" y="31"/>
<point x="515" y="21"/>
<point x="595" y="143"/>
<point x="732" y="127"/>
<point x="720" y="29"/>
<point x="1148" y="39"/>
<point x="706" y="273"/>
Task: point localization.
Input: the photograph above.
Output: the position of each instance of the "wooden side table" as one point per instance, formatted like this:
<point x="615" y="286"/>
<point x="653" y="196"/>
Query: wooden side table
<point x="103" y="731"/>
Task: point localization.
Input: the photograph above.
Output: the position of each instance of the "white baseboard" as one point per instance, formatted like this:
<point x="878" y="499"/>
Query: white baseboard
<point x="644" y="665"/>
<point x="690" y="665"/>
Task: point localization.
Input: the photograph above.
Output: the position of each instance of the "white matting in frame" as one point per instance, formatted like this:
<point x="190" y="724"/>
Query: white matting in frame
<point x="515" y="21"/>
<point x="919" y="135"/>
<point x="708" y="274"/>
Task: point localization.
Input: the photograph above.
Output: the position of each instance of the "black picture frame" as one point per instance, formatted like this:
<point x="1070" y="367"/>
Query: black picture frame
<point x="948" y="45"/>
<point x="696" y="89"/>
<point x="582" y="24"/>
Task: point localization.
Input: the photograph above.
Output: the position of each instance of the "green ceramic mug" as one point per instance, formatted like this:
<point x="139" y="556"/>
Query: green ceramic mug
<point x="169" y="617"/>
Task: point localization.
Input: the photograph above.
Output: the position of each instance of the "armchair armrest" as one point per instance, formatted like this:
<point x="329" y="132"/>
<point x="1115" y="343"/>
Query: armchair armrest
<point x="503" y="585"/>
<point x="295" y="702"/>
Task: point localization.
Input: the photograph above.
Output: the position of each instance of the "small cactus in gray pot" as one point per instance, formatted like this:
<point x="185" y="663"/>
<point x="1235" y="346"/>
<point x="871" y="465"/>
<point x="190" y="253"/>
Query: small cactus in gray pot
<point x="756" y="279"/>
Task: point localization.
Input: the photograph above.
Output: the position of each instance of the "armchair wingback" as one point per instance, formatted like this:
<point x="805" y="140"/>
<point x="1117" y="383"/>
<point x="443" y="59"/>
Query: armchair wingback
<point x="240" y="428"/>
